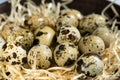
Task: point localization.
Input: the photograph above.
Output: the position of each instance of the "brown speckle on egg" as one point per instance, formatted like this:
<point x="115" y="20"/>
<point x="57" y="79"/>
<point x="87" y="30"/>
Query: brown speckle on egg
<point x="71" y="45"/>
<point x="71" y="37"/>
<point x="26" y="23"/>
<point x="39" y="33"/>
<point x="14" y="55"/>
<point x="7" y="73"/>
<point x="69" y="62"/>
<point x="61" y="47"/>
<point x="64" y="32"/>
<point x="7" y="59"/>
<point x="4" y="46"/>
<point x="13" y="63"/>
<point x="60" y="24"/>
<point x="10" y="46"/>
<point x="18" y="44"/>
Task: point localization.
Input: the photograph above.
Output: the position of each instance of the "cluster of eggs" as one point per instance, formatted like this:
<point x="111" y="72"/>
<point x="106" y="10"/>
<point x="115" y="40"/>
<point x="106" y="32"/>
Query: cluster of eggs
<point x="78" y="40"/>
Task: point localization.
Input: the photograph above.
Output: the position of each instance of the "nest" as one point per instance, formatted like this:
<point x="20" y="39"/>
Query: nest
<point x="110" y="57"/>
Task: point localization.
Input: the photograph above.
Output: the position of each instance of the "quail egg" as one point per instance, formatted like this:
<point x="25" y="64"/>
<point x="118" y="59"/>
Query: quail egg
<point x="66" y="19"/>
<point x="68" y="33"/>
<point x="90" y="22"/>
<point x="65" y="54"/>
<point x="106" y="34"/>
<point x="44" y="35"/>
<point x="22" y="36"/>
<point x="91" y="44"/>
<point x="89" y="64"/>
<point x="75" y="12"/>
<point x="8" y="28"/>
<point x="41" y="55"/>
<point x="14" y="54"/>
<point x="35" y="21"/>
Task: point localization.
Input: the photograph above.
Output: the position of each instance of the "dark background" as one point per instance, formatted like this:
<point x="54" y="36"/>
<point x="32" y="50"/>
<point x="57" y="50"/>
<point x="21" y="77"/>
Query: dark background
<point x="85" y="6"/>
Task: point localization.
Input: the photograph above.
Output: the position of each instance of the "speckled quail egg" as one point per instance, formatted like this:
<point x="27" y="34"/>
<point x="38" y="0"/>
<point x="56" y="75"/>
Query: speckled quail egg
<point x="68" y="33"/>
<point x="106" y="34"/>
<point x="89" y="64"/>
<point x="35" y="21"/>
<point x="65" y="54"/>
<point x="8" y="28"/>
<point x="44" y="36"/>
<point x="91" y="44"/>
<point x="75" y="12"/>
<point x="14" y="54"/>
<point x="66" y="19"/>
<point x="90" y="22"/>
<point x="22" y="36"/>
<point x="41" y="54"/>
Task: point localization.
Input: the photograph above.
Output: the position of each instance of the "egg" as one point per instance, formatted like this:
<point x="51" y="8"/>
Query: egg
<point x="14" y="54"/>
<point x="106" y="34"/>
<point x="66" y="19"/>
<point x="91" y="44"/>
<point x="8" y="28"/>
<point x="36" y="21"/>
<point x="68" y="33"/>
<point x="90" y="22"/>
<point x="89" y="64"/>
<point x="65" y="54"/>
<point x="75" y="12"/>
<point x="41" y="55"/>
<point x="44" y="36"/>
<point x="22" y="36"/>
